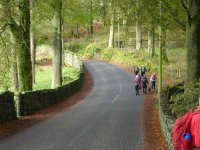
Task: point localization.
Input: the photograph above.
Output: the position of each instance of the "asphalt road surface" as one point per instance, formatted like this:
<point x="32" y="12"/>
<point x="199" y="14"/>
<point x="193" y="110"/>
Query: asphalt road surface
<point x="109" y="118"/>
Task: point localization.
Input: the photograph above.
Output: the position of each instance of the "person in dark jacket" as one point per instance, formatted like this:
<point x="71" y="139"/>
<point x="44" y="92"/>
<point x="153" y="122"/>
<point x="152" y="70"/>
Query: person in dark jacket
<point x="144" y="83"/>
<point x="136" y="81"/>
<point x="143" y="70"/>
<point x="135" y="69"/>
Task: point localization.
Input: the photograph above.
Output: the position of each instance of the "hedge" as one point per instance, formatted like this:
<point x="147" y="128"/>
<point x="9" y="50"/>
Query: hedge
<point x="7" y="107"/>
<point x="166" y="118"/>
<point x="167" y="121"/>
<point x="32" y="101"/>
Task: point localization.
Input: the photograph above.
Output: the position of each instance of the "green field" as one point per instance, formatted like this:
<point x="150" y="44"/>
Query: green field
<point x="43" y="78"/>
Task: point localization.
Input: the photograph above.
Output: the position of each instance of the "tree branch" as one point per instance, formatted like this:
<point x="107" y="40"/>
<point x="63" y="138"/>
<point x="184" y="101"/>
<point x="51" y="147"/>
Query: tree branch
<point x="184" y="5"/>
<point x="174" y="16"/>
<point x="187" y="10"/>
<point x="4" y="43"/>
<point x="1" y="32"/>
<point x="3" y="28"/>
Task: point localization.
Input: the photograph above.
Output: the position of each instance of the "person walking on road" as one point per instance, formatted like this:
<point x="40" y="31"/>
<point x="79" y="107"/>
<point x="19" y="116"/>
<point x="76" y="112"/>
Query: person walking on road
<point x="144" y="83"/>
<point x="140" y="81"/>
<point x="135" y="69"/>
<point x="143" y="70"/>
<point x="153" y="81"/>
<point x="136" y="85"/>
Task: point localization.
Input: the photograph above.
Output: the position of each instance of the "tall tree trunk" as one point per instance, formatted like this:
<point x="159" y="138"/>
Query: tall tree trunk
<point x="125" y="27"/>
<point x="160" y="56"/>
<point x="91" y="18"/>
<point x="32" y="42"/>
<point x="138" y="27"/>
<point x="15" y="71"/>
<point x="138" y="35"/>
<point x="62" y="43"/>
<point x="153" y="51"/>
<point x="193" y="40"/>
<point x="24" y="56"/>
<point x="112" y="30"/>
<point x="57" y="50"/>
<point x="14" y="66"/>
<point x="118" y="26"/>
<point x="164" y="46"/>
<point x="151" y="42"/>
<point x="103" y="12"/>
<point x="149" y="49"/>
<point x="21" y="34"/>
<point x="33" y="53"/>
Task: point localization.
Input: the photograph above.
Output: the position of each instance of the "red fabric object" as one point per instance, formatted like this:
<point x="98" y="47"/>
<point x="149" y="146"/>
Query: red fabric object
<point x="186" y="144"/>
<point x="195" y="128"/>
<point x="182" y="125"/>
<point x="137" y="82"/>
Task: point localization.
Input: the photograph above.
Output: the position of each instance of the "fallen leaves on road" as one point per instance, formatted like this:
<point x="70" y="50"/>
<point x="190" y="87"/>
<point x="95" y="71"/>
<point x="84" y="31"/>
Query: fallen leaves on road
<point x="153" y="136"/>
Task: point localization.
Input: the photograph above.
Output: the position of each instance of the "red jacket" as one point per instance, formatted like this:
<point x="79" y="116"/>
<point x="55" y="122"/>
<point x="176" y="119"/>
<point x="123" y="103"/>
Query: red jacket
<point x="195" y="129"/>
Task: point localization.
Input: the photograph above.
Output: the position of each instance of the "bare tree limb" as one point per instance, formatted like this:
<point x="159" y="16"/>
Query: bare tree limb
<point x="184" y="5"/>
<point x="3" y="28"/>
<point x="174" y="16"/>
<point x="4" y="43"/>
<point x="187" y="10"/>
<point x="1" y="32"/>
<point x="189" y="16"/>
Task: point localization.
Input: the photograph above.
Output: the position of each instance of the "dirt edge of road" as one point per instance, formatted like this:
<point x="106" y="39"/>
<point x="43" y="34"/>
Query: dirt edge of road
<point x="13" y="127"/>
<point x="153" y="135"/>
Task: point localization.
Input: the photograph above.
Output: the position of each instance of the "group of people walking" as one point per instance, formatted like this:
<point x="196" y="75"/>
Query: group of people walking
<point x="141" y="80"/>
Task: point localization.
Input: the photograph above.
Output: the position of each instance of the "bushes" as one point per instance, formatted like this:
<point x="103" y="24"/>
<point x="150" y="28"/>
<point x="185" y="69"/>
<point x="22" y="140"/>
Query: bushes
<point x="180" y="98"/>
<point x="7" y="107"/>
<point x="83" y="50"/>
<point x="166" y="118"/>
<point x="74" y="46"/>
<point x="185" y="100"/>
<point x="36" y="100"/>
<point x="89" y="51"/>
<point x="128" y="57"/>
<point x="174" y="102"/>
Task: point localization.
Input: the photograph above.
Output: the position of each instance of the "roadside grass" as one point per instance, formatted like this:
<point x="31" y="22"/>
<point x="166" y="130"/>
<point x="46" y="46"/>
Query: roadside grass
<point x="44" y="77"/>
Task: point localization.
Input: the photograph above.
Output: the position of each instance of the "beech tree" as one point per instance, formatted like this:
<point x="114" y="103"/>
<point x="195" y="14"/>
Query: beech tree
<point x="32" y="39"/>
<point x="192" y="8"/>
<point x="6" y="61"/>
<point x="57" y="44"/>
<point x="112" y="26"/>
<point x="20" y="28"/>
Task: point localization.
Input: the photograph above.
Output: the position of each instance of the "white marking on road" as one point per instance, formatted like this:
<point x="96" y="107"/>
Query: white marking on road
<point x="120" y="88"/>
<point x="115" y="99"/>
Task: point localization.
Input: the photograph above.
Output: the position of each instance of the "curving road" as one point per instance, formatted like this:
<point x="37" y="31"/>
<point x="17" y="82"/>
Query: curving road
<point x="109" y="118"/>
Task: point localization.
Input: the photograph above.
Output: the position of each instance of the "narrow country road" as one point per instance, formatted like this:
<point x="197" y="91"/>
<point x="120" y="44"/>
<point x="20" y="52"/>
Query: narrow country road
<point x="109" y="118"/>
